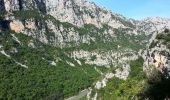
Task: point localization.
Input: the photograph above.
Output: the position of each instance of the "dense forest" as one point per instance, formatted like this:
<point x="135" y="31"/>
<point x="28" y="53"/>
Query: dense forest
<point x="41" y="79"/>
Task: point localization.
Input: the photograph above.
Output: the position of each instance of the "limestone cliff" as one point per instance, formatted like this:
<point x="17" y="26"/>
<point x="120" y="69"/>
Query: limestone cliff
<point x="158" y="55"/>
<point x="80" y="26"/>
<point x="71" y="43"/>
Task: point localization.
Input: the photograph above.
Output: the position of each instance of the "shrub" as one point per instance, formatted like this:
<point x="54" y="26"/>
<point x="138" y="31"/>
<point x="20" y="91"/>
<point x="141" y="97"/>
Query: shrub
<point x="156" y="87"/>
<point x="2" y="14"/>
<point x="166" y="30"/>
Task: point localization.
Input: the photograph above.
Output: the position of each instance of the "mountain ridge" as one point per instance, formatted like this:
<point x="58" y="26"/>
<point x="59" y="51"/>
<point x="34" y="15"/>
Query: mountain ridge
<point x="58" y="49"/>
<point x="65" y="11"/>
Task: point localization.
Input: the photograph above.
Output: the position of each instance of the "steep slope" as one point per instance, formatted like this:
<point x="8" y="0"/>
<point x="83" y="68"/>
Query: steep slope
<point x="157" y="67"/>
<point x="158" y="53"/>
<point x="80" y="12"/>
<point x="148" y="77"/>
<point x="87" y="39"/>
<point x="54" y="59"/>
<point x="27" y="16"/>
<point x="154" y="25"/>
<point x="52" y="49"/>
<point x="76" y="12"/>
<point x="32" y="70"/>
<point x="129" y="89"/>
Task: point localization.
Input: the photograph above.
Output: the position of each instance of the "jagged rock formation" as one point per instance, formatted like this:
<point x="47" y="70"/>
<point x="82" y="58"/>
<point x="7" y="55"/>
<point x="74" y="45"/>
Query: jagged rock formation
<point x="17" y="5"/>
<point x="157" y="55"/>
<point x="105" y="58"/>
<point x="80" y="12"/>
<point x="157" y="67"/>
<point x="17" y="26"/>
<point x="76" y="12"/>
<point x="154" y="25"/>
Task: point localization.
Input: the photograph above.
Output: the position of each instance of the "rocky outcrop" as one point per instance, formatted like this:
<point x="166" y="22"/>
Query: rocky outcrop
<point x="76" y="12"/>
<point x="157" y="57"/>
<point x="17" y="26"/>
<point x="154" y="25"/>
<point x="120" y="73"/>
<point x="11" y="5"/>
<point x="81" y="34"/>
<point x="104" y="59"/>
<point x="80" y="12"/>
<point x="16" y="5"/>
<point x="30" y="24"/>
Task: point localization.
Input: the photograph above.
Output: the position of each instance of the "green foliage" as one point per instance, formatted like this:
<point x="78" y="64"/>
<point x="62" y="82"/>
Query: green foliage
<point x="93" y="58"/>
<point x="123" y="21"/>
<point x="27" y="14"/>
<point x="103" y="43"/>
<point x="41" y="6"/>
<point x="156" y="87"/>
<point x="44" y="81"/>
<point x="129" y="89"/>
<point x="153" y="44"/>
<point x="41" y="80"/>
<point x="130" y="41"/>
<point x="137" y="69"/>
<point x="164" y="38"/>
<point x="2" y="14"/>
<point x="98" y="40"/>
<point x="108" y="92"/>
<point x="166" y="30"/>
<point x="67" y="25"/>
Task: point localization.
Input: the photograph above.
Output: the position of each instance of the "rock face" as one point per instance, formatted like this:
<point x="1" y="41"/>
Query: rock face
<point x="76" y="12"/>
<point x="103" y="59"/>
<point x="30" y="24"/>
<point x="17" y="5"/>
<point x="80" y="12"/>
<point x="154" y="25"/>
<point x="79" y="36"/>
<point x="157" y="57"/>
<point x="73" y="23"/>
<point x="80" y="22"/>
<point x="17" y="26"/>
<point x="12" y="5"/>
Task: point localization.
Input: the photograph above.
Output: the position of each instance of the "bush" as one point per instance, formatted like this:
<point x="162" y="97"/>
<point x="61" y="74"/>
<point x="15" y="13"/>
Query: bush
<point x="166" y="30"/>
<point x="27" y="14"/>
<point x="2" y="14"/>
<point x="137" y="69"/>
<point x="156" y="87"/>
<point x="117" y="89"/>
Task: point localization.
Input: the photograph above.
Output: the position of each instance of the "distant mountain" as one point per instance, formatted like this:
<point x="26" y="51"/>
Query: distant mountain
<point x="155" y="24"/>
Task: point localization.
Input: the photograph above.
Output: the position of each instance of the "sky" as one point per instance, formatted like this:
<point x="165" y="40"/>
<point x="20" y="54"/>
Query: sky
<point x="137" y="9"/>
